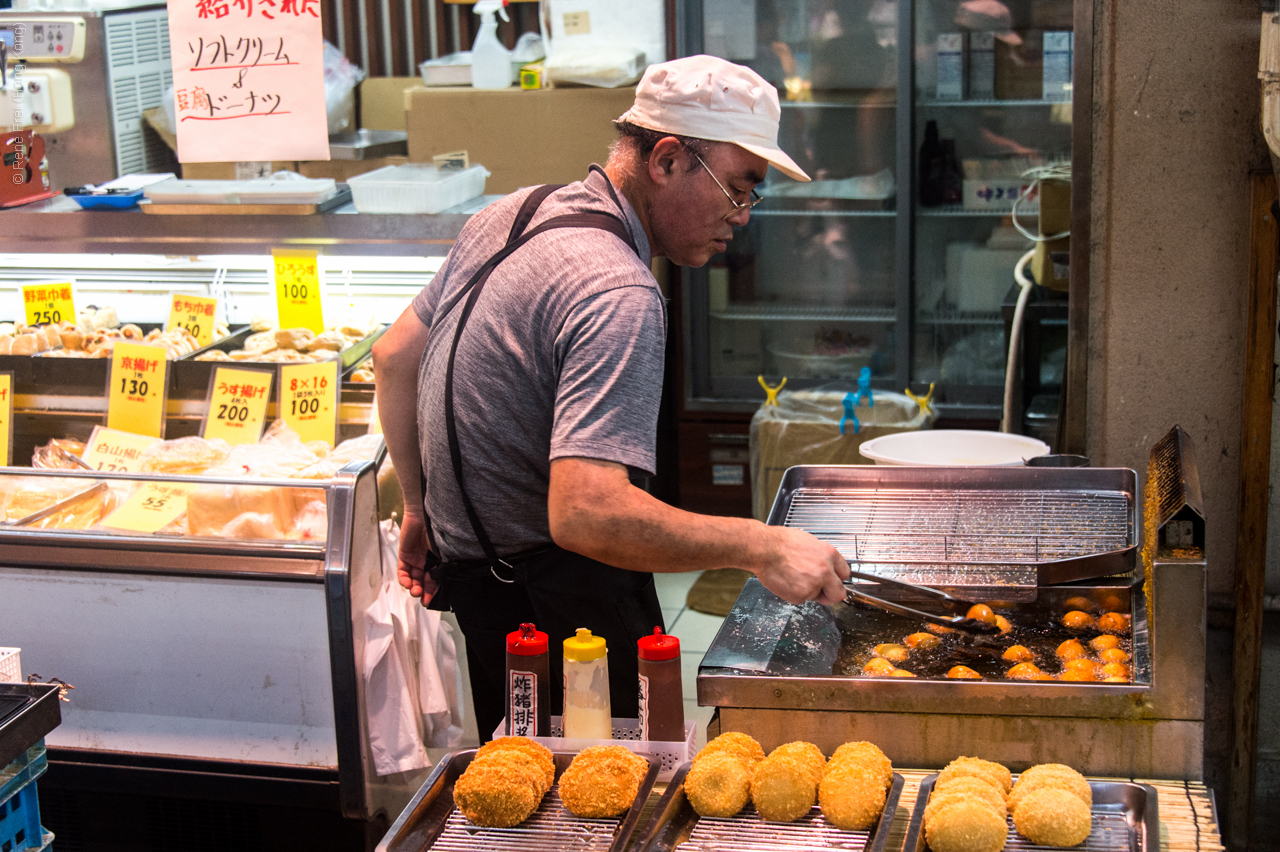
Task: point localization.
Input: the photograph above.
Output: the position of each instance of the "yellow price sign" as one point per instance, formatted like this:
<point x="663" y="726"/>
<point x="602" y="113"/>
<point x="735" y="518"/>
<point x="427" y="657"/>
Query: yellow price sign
<point x="297" y="285"/>
<point x="237" y="406"/>
<point x="51" y="301"/>
<point x="194" y="313"/>
<point x="115" y="451"/>
<point x="6" y="419"/>
<point x="151" y="508"/>
<point x="309" y="395"/>
<point x="136" y="389"/>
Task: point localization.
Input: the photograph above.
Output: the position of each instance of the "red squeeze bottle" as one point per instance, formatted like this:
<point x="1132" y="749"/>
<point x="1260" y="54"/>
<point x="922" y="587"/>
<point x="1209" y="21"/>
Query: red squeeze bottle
<point x="528" y="683"/>
<point x="661" y="692"/>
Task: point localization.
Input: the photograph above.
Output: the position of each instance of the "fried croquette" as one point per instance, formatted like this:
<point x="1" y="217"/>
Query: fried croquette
<point x="851" y="796"/>
<point x="1003" y="623"/>
<point x="1077" y="620"/>
<point x="541" y="754"/>
<point x="981" y="612"/>
<point x="1103" y="643"/>
<point x="1114" y="655"/>
<point x="742" y="746"/>
<point x="1052" y="816"/>
<point x="1018" y="654"/>
<point x="517" y="763"/>
<point x="892" y="652"/>
<point x="901" y="673"/>
<point x="806" y="754"/>
<point x="998" y="774"/>
<point x="966" y="786"/>
<point x="602" y="781"/>
<point x="1114" y="622"/>
<point x="867" y="754"/>
<point x="782" y="789"/>
<point x="923" y="641"/>
<point x="1070" y="650"/>
<point x="718" y="785"/>
<point x="1024" y="671"/>
<point x="878" y="667"/>
<point x="1055" y="775"/>
<point x="966" y="825"/>
<point x="499" y="793"/>
<point x="1080" y="603"/>
<point x="963" y="673"/>
<point x="1083" y="665"/>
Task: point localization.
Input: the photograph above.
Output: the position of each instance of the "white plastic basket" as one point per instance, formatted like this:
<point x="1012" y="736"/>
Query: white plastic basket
<point x="415" y="188"/>
<point x="626" y="733"/>
<point x="10" y="665"/>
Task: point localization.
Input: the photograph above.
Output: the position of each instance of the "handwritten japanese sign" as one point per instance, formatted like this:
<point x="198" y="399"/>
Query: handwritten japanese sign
<point x="6" y="419"/>
<point x="524" y="705"/>
<point x="248" y="78"/>
<point x="152" y="507"/>
<point x="136" y="389"/>
<point x="48" y="302"/>
<point x="196" y="314"/>
<point x="237" y="405"/>
<point x="309" y="399"/>
<point x="297" y="284"/>
<point x="115" y="451"/>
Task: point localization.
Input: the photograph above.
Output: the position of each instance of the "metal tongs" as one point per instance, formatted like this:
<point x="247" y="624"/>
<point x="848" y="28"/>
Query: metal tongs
<point x="955" y="622"/>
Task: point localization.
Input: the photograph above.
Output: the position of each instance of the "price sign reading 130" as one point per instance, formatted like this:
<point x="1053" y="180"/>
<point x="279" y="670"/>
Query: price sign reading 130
<point x="136" y="389"/>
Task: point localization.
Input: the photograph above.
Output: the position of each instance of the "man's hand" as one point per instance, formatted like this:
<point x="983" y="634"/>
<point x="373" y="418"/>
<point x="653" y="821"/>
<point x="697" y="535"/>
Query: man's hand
<point x="799" y="567"/>
<point x="412" y="558"/>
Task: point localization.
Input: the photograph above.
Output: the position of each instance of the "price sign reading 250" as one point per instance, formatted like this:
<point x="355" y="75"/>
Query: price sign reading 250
<point x="299" y="299"/>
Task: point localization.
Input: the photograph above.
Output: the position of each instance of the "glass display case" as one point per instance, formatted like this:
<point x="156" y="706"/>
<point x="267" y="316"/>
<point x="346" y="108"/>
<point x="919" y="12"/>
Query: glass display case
<point x="917" y="120"/>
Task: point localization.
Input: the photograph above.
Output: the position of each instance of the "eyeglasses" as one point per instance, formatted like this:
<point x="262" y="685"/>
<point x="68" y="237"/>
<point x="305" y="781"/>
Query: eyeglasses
<point x="737" y="207"/>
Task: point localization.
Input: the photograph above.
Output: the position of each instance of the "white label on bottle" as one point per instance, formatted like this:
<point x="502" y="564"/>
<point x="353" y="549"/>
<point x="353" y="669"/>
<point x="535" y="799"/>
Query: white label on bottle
<point x="644" y="707"/>
<point x="524" y="704"/>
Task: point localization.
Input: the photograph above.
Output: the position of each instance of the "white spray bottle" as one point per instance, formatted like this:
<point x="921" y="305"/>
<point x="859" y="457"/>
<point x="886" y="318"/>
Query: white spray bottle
<point x="490" y="61"/>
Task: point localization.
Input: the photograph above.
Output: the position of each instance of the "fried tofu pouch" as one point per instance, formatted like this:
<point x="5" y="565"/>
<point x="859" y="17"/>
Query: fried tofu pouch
<point x="602" y="781"/>
<point x="500" y="789"/>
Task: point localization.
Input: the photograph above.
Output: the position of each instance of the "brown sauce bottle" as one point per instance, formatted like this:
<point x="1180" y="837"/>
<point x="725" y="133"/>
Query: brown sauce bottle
<point x="528" y="683"/>
<point x="661" y="692"/>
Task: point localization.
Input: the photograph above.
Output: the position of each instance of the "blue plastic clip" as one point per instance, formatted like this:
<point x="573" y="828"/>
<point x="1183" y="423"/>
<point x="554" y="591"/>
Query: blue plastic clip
<point x="852" y="400"/>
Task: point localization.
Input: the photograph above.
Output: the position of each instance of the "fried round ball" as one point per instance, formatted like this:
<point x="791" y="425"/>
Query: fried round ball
<point x="1080" y="603"/>
<point x="878" y="667"/>
<point x="966" y="786"/>
<point x="782" y="789"/>
<point x="1078" y="676"/>
<point x="1024" y="671"/>
<point x="1111" y="603"/>
<point x="1114" y="622"/>
<point x="511" y="760"/>
<point x="981" y="612"/>
<point x="963" y="673"/>
<point x="718" y="785"/>
<point x="1070" y="650"/>
<point x="923" y="641"/>
<point x="499" y="793"/>
<point x="1103" y="643"/>
<point x="541" y="754"/>
<point x="1003" y="623"/>
<point x="1083" y="665"/>
<point x="996" y="773"/>
<point x="939" y="629"/>
<point x="1077" y="620"/>
<point x="806" y="754"/>
<point x="742" y="746"/>
<point x="1053" y="817"/>
<point x="602" y="781"/>
<point x="863" y="753"/>
<point x="1018" y="654"/>
<point x="892" y="652"/>
<point x="900" y="673"/>
<point x="851" y="796"/>
<point x="1114" y="655"/>
<point x="1055" y="775"/>
<point x="1115" y="670"/>
<point x="966" y="825"/>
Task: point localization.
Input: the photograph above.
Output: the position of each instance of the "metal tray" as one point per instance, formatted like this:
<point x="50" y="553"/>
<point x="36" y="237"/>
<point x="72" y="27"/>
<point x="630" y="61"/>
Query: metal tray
<point x="674" y="823"/>
<point x="191" y="377"/>
<point x="430" y="821"/>
<point x="1125" y="819"/>
<point x="38" y="713"/>
<point x="1003" y="531"/>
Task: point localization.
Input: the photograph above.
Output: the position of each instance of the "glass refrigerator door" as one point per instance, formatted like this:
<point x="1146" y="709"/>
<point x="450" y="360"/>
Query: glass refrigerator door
<point x="807" y="289"/>
<point x="992" y="101"/>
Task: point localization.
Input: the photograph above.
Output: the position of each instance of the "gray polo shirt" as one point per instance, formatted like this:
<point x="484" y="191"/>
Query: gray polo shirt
<point x="561" y="356"/>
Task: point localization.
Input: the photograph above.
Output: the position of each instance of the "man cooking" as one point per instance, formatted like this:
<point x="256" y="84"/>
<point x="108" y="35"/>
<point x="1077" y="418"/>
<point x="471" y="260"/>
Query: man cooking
<point x="524" y="383"/>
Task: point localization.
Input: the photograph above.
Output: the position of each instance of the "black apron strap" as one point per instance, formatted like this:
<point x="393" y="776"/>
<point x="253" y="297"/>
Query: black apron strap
<point x="472" y="290"/>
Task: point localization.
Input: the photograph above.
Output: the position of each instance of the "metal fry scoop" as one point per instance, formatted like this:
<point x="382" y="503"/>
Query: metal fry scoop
<point x="955" y="622"/>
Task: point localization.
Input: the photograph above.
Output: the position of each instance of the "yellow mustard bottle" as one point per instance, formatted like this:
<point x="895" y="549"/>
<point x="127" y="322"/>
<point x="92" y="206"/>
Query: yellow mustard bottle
<point x="586" y="687"/>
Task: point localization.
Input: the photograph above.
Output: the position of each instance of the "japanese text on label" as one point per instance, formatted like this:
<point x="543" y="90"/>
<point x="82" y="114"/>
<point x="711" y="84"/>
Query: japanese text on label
<point x="524" y="704"/>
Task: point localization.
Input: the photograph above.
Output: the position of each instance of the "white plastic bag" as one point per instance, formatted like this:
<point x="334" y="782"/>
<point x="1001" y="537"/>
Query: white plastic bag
<point x="413" y="689"/>
<point x="340" y="79"/>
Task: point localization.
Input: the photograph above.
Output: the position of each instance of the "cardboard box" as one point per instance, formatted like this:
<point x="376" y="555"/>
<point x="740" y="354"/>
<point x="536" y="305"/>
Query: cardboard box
<point x="341" y="170"/>
<point x="522" y="137"/>
<point x="383" y="101"/>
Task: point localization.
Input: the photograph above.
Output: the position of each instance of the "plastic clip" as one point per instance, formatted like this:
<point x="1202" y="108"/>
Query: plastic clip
<point x="771" y="393"/>
<point x="925" y="402"/>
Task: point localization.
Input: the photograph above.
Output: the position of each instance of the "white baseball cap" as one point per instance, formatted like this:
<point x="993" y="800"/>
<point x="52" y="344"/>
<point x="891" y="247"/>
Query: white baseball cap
<point x="706" y="97"/>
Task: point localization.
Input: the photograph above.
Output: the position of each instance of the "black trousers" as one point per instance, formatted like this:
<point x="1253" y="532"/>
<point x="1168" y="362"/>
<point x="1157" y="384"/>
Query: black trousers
<point x="559" y="591"/>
